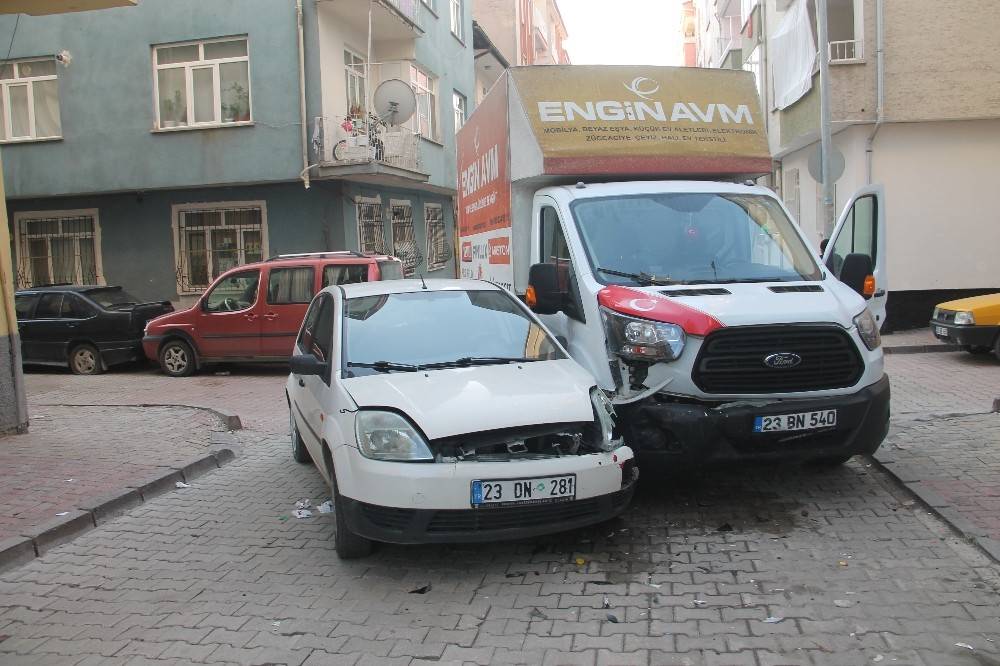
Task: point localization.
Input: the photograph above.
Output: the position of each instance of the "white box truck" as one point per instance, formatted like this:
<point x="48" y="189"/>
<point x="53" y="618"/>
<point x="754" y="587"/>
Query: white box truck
<point x="618" y="202"/>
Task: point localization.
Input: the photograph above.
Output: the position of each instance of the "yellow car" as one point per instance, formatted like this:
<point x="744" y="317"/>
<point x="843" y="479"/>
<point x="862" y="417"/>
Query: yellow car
<point x="972" y="322"/>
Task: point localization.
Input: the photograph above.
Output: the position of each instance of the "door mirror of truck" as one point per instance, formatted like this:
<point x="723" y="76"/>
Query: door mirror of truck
<point x="856" y="273"/>
<point x="307" y="364"/>
<point x="544" y="295"/>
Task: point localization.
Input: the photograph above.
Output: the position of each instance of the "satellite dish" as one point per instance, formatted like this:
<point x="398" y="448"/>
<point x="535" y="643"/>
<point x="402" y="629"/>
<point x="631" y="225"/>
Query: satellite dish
<point x="394" y="101"/>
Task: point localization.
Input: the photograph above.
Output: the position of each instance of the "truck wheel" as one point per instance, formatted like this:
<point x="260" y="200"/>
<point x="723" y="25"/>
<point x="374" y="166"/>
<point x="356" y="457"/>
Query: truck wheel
<point x="86" y="360"/>
<point x="299" y="451"/>
<point x="177" y="359"/>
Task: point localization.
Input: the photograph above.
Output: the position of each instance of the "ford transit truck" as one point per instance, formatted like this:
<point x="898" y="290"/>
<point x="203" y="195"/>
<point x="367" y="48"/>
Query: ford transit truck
<point x="621" y="204"/>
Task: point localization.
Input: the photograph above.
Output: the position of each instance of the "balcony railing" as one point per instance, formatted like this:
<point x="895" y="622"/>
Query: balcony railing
<point x="848" y="50"/>
<point x="407" y="8"/>
<point x="354" y="141"/>
<point x="729" y="38"/>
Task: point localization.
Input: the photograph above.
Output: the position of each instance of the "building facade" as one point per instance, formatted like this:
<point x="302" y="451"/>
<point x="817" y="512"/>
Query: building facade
<point x="927" y="128"/>
<point x="526" y="32"/>
<point x="180" y="138"/>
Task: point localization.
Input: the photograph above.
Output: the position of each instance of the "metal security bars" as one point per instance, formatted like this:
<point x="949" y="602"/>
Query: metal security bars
<point x="438" y="250"/>
<point x="371" y="228"/>
<point x="210" y="241"/>
<point x="55" y="250"/>
<point x="404" y="237"/>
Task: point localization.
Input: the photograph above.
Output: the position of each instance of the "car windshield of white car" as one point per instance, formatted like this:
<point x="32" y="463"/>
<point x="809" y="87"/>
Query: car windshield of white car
<point x="427" y="330"/>
<point x="691" y="238"/>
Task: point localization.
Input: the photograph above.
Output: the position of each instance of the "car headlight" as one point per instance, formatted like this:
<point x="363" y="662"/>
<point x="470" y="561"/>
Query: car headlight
<point x="641" y="339"/>
<point x="605" y="413"/>
<point x="389" y="436"/>
<point x="868" y="329"/>
<point x="964" y="319"/>
<point x="937" y="313"/>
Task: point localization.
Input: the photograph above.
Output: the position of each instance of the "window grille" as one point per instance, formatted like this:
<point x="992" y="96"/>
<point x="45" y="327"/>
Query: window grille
<point x="438" y="250"/>
<point x="371" y="230"/>
<point x="404" y="238"/>
<point x="55" y="250"/>
<point x="210" y="241"/>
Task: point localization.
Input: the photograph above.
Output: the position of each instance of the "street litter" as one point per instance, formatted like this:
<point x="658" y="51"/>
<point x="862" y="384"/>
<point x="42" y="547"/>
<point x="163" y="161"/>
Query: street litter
<point x="539" y="614"/>
<point x="877" y="658"/>
<point x="181" y="484"/>
<point x="607" y="604"/>
<point x="326" y="507"/>
<point x="842" y="563"/>
<point x="773" y="620"/>
<point x="302" y="513"/>
<point x="964" y="645"/>
<point x="303" y="504"/>
<point x="580" y="561"/>
<point x="64" y="513"/>
<point x="843" y="603"/>
<point x="422" y="590"/>
<point x="70" y="480"/>
<point x="656" y="585"/>
<point x="612" y="618"/>
<point x="700" y="602"/>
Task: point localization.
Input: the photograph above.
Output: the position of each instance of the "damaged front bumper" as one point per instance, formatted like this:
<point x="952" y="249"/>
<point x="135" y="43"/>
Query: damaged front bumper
<point x="686" y="433"/>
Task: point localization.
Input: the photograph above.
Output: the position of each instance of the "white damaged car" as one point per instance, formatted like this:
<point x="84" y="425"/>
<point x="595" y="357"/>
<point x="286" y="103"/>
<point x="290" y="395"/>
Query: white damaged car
<point x="443" y="411"/>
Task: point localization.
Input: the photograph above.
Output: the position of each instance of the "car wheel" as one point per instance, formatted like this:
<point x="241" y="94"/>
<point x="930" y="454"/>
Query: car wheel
<point x="299" y="451"/>
<point x="86" y="360"/>
<point x="349" y="545"/>
<point x="177" y="359"/>
<point x="978" y="350"/>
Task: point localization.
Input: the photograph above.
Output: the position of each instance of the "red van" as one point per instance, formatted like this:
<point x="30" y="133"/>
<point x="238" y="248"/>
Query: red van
<point x="253" y="312"/>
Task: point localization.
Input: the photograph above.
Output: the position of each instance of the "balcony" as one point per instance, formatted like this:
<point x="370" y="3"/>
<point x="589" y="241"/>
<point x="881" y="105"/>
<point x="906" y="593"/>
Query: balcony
<point x="730" y="40"/>
<point x="390" y="19"/>
<point x="352" y="146"/>
<point x="846" y="51"/>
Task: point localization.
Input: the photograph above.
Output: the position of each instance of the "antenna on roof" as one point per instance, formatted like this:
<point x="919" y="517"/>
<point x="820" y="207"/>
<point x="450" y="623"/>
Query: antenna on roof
<point x="422" y="282"/>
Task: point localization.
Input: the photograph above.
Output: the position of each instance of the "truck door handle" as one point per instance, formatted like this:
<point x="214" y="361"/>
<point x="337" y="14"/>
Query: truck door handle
<point x="270" y="316"/>
<point x="301" y="382"/>
<point x="250" y="316"/>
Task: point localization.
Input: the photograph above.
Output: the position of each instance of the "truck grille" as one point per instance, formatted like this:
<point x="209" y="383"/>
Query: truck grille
<point x="731" y="360"/>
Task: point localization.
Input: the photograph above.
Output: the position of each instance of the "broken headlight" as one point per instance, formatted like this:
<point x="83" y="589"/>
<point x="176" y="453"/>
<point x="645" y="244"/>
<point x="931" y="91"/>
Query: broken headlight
<point x="637" y="339"/>
<point x="604" y="411"/>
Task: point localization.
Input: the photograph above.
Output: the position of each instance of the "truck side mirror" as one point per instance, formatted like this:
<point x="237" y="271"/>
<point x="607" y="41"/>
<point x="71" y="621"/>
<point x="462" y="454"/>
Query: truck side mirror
<point x="856" y="273"/>
<point x="544" y="295"/>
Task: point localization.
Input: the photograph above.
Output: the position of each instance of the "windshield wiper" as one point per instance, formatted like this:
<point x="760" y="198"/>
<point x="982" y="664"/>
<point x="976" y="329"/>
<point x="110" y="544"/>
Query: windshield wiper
<point x="466" y="361"/>
<point x="386" y="366"/>
<point x="647" y="278"/>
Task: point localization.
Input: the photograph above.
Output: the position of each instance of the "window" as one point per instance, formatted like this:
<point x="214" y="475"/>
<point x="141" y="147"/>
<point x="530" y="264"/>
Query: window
<point x="211" y="239"/>
<point x="290" y="285"/>
<point x="457" y="19"/>
<point x="404" y="239"/>
<point x="425" y="88"/>
<point x="202" y="83"/>
<point x="235" y="293"/>
<point x="25" y="305"/>
<point x="305" y="338"/>
<point x="371" y="229"/>
<point x="555" y="250"/>
<point x="458" y="106"/>
<point x="29" y="101"/>
<point x="344" y="274"/>
<point x="55" y="247"/>
<point x="317" y="331"/>
<point x="354" y="75"/>
<point x="49" y="306"/>
<point x="857" y="235"/>
<point x="438" y="251"/>
<point x="74" y="307"/>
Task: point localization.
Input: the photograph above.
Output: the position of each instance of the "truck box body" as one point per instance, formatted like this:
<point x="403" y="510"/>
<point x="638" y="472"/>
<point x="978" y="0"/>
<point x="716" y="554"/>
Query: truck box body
<point x="615" y="201"/>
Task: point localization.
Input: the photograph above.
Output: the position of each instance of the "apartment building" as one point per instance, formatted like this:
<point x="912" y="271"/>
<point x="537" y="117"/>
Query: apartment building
<point x="526" y="32"/>
<point x="156" y="146"/>
<point x="923" y="121"/>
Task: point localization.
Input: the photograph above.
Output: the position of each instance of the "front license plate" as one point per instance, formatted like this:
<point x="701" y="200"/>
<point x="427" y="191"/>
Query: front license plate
<point x="941" y="330"/>
<point x="539" y="490"/>
<point x="800" y="421"/>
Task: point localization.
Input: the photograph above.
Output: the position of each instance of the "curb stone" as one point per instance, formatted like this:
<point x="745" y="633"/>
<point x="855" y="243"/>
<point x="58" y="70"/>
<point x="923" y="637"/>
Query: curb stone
<point x="38" y="540"/>
<point x="921" y="349"/>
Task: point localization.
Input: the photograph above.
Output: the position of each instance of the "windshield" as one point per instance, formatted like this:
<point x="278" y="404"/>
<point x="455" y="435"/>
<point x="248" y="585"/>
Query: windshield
<point x="112" y="297"/>
<point x="691" y="238"/>
<point x="397" y="332"/>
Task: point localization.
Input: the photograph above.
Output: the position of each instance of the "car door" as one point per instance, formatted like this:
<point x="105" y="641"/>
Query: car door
<point x="228" y="318"/>
<point x="24" y="305"/>
<point x="861" y="230"/>
<point x="306" y="393"/>
<point x="50" y="331"/>
<point x="289" y="291"/>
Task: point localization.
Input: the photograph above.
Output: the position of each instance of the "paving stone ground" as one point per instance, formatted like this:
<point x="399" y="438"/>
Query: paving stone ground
<point x="762" y="566"/>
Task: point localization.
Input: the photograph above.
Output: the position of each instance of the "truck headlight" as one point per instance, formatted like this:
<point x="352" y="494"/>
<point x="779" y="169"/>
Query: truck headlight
<point x="964" y="319"/>
<point x="641" y="339"/>
<point x="389" y="436"/>
<point x="868" y="329"/>
<point x="604" y="411"/>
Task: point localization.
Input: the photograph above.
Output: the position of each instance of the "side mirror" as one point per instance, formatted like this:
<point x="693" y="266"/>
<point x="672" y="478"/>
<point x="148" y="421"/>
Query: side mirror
<point x="307" y="364"/>
<point x="544" y="295"/>
<point x="856" y="273"/>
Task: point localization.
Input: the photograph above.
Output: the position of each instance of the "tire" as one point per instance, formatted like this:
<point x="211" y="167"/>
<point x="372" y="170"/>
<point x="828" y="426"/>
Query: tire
<point x="340" y="150"/>
<point x="349" y="545"/>
<point x="979" y="350"/>
<point x="177" y="359"/>
<point x="996" y="347"/>
<point x="299" y="451"/>
<point x="86" y="360"/>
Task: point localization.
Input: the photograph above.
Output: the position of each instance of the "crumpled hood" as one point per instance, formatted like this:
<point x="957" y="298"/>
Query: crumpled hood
<point x="454" y="401"/>
<point x="754" y="303"/>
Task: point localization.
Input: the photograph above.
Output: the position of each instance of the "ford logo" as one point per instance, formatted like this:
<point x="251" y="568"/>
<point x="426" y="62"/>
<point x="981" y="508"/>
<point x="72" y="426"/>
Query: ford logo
<point x="782" y="360"/>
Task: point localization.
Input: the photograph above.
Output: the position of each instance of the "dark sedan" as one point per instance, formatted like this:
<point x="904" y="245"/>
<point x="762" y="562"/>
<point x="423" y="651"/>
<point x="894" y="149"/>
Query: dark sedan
<point x="88" y="328"/>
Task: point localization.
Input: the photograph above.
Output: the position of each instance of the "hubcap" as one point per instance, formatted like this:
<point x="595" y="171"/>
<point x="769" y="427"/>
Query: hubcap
<point x="85" y="361"/>
<point x="175" y="359"/>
